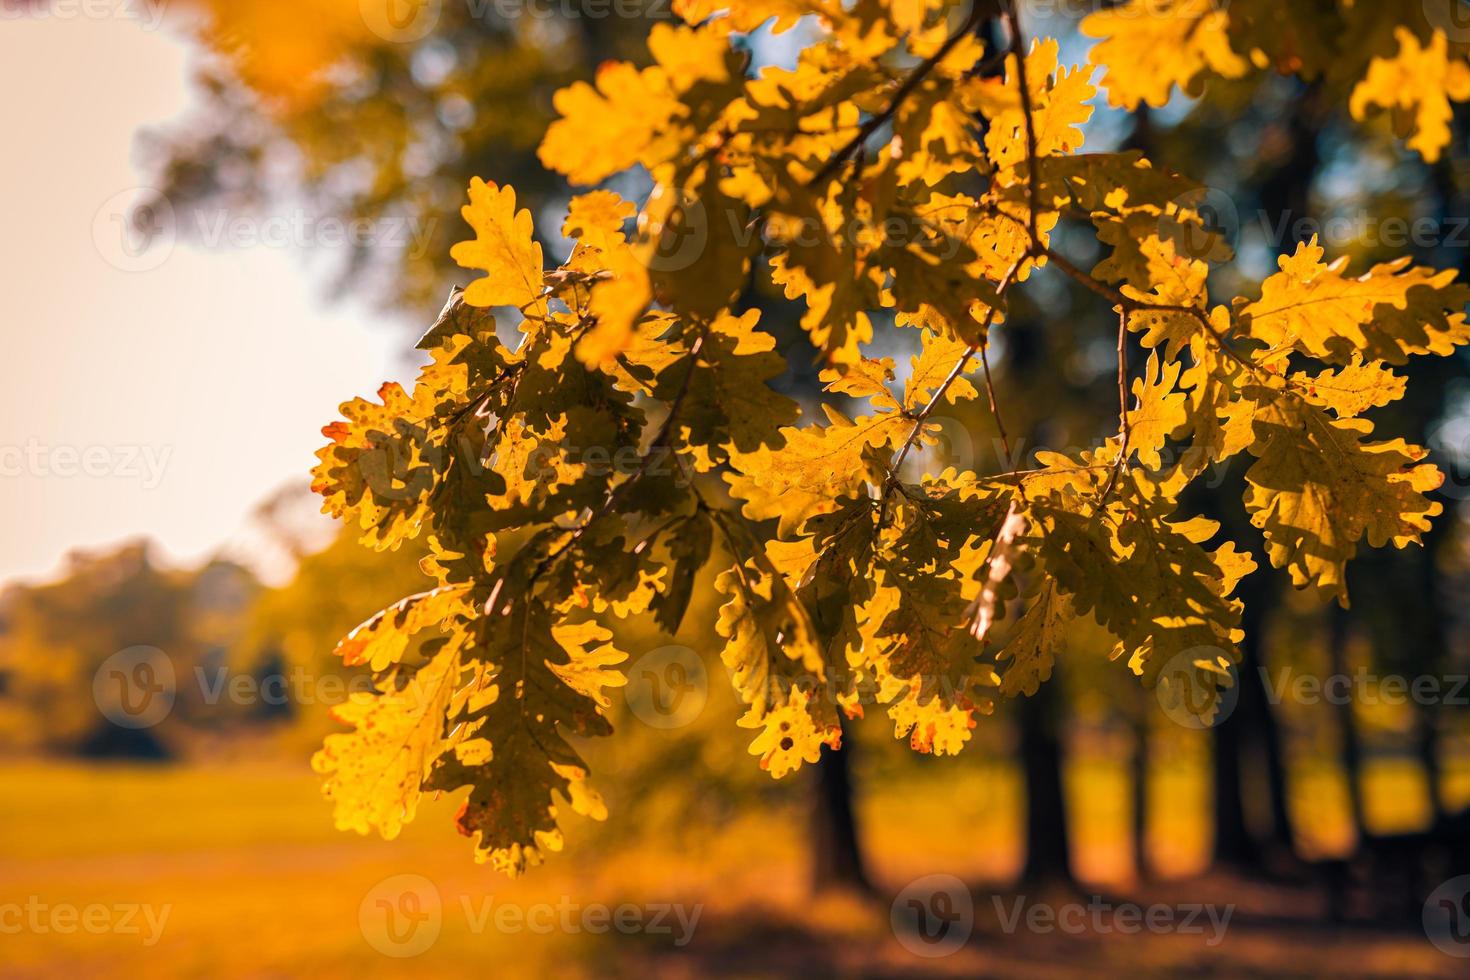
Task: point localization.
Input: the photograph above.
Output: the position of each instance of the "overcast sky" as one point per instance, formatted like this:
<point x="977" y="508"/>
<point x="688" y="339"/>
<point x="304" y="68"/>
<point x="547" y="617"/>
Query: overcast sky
<point x="161" y="393"/>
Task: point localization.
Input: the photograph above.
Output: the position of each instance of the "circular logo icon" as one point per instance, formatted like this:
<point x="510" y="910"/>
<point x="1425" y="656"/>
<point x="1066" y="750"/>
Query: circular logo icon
<point x="1447" y="917"/>
<point x="947" y="442"/>
<point x="402" y="915"/>
<point x="933" y="916"/>
<point x="400" y="21"/>
<point x="1191" y="688"/>
<point x="134" y="688"/>
<point x="1203" y="224"/>
<point x="667" y="687"/>
<point x="135" y="230"/>
<point x="677" y="230"/>
<point x="1450" y="16"/>
<point x="1450" y="442"/>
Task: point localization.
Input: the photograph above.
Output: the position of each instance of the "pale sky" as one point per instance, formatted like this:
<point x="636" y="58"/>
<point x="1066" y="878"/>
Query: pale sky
<point x="166" y="400"/>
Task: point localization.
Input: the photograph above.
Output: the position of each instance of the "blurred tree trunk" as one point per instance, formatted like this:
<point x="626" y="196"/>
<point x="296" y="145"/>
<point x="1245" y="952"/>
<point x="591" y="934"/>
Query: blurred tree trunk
<point x="1142" y="764"/>
<point x="1248" y="744"/>
<point x="837" y="856"/>
<point x="1339" y="634"/>
<point x="1249" y="752"/>
<point x="1048" y="850"/>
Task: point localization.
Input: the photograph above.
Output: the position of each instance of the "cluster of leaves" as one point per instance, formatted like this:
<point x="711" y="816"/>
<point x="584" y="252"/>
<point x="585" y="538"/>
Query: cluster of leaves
<point x="1408" y="57"/>
<point x="899" y="173"/>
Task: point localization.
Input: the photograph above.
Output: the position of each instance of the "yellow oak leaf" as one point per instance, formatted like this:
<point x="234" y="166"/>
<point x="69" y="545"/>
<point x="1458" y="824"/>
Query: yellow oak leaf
<point x="1158" y="412"/>
<point x="1353" y="389"/>
<point x="1392" y="311"/>
<point x="1149" y="47"/>
<point x="1060" y="102"/>
<point x="1418" y="84"/>
<point x="621" y="120"/>
<point x="938" y="357"/>
<point x="503" y="247"/>
<point x="1318" y="488"/>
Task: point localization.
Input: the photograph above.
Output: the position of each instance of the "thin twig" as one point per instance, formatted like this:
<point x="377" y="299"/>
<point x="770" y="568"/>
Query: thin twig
<point x="910" y="83"/>
<point x="1123" y="426"/>
<point x="1013" y="22"/>
<point x="956" y="371"/>
<point x="1143" y="306"/>
<point x="1016" y="49"/>
<point x="1000" y="426"/>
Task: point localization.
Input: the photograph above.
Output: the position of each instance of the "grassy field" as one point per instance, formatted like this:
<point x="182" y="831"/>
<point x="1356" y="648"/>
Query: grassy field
<point x="236" y="871"/>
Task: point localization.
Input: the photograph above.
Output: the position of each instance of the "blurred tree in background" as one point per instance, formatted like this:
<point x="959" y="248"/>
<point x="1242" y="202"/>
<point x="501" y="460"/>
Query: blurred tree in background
<point x="57" y="638"/>
<point x="311" y="105"/>
<point x="307" y="103"/>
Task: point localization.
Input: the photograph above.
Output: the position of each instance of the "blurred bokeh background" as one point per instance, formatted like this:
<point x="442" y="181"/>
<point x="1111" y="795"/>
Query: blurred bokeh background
<point x="221" y="219"/>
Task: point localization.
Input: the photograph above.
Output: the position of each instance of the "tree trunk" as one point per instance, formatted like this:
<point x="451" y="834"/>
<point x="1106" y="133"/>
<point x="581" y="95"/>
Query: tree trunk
<point x="1339" y="634"/>
<point x="1142" y="862"/>
<point x="1234" y="844"/>
<point x="837" y="856"/>
<point x="1048" y="849"/>
<point x="1249" y="750"/>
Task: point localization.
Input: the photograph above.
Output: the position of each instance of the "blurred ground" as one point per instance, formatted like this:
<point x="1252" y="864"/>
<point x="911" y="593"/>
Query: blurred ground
<point x="256" y="882"/>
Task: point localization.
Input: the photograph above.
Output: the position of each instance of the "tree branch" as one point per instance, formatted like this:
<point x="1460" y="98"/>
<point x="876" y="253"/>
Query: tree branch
<point x="873" y="123"/>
